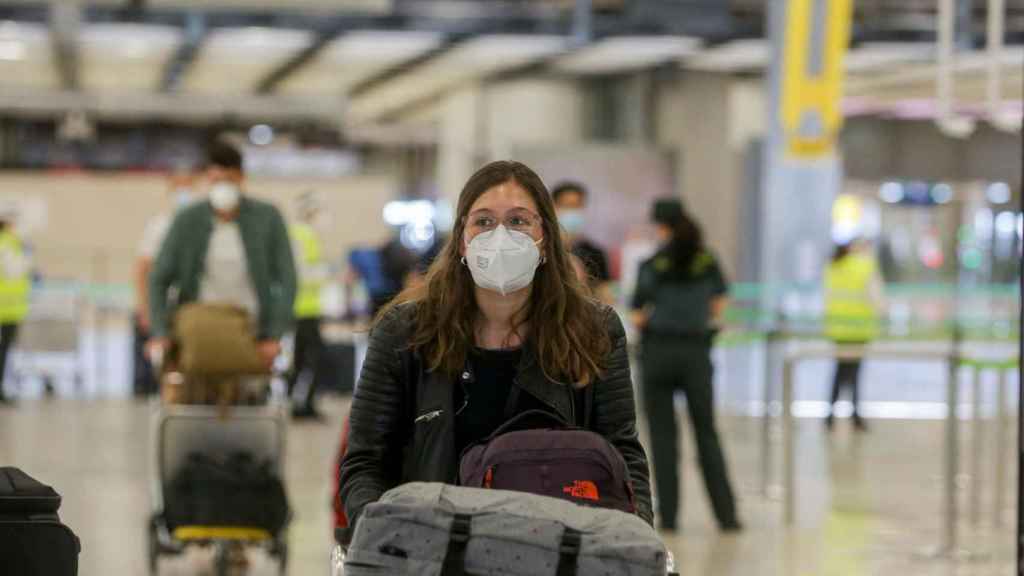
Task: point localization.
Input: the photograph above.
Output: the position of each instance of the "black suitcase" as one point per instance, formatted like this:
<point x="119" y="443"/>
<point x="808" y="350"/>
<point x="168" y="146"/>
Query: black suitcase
<point x="336" y="368"/>
<point x="33" y="541"/>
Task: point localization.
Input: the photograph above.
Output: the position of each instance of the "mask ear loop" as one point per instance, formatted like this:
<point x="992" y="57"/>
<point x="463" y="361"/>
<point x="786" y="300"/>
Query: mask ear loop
<point x="463" y="260"/>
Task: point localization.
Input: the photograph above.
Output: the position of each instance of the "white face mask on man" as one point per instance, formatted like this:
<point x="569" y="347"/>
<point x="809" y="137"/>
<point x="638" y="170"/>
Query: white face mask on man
<point x="501" y="260"/>
<point x="224" y="196"/>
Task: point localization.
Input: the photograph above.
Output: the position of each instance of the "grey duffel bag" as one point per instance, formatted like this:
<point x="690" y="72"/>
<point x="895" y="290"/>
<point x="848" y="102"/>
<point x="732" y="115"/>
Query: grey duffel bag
<point x="430" y="529"/>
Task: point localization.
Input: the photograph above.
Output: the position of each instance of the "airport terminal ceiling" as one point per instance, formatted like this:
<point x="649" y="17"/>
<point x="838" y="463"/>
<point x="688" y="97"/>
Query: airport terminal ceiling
<point x="321" y="61"/>
<point x="768" y="249"/>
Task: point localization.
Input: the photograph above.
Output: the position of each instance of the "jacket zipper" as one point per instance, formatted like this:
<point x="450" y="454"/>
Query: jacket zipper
<point x="428" y="416"/>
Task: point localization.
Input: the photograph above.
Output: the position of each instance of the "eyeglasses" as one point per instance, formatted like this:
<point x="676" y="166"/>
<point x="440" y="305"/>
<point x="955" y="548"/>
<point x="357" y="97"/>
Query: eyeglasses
<point x="520" y="220"/>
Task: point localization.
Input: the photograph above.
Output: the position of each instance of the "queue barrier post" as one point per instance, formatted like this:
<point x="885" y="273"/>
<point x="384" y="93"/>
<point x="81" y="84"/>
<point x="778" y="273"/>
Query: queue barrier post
<point x="977" y="445"/>
<point x="949" y="544"/>
<point x="998" y="501"/>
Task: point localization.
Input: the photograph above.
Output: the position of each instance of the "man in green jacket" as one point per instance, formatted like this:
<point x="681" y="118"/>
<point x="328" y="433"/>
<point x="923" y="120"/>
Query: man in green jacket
<point x="229" y="249"/>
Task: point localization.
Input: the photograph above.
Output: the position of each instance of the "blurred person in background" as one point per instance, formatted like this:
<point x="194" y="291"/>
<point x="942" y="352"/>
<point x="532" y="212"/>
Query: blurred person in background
<point x="399" y="266"/>
<point x="853" y="296"/>
<point x="15" y="285"/>
<point x="229" y="249"/>
<point x="312" y="272"/>
<point x="571" y="202"/>
<point x="678" y="304"/>
<point x="179" y="194"/>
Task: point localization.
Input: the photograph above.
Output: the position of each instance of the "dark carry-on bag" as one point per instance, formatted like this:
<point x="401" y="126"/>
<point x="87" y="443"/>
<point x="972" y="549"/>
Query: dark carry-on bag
<point x="432" y="529"/>
<point x="536" y="452"/>
<point x="238" y="491"/>
<point x="33" y="541"/>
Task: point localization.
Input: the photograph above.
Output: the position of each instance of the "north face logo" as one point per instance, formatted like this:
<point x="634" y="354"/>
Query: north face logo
<point x="582" y="489"/>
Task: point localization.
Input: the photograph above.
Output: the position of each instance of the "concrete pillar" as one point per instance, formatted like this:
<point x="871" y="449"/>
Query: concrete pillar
<point x="532" y="113"/>
<point x="483" y="123"/>
<point x="799" y="188"/>
<point x="710" y="118"/>
<point x="459" y="140"/>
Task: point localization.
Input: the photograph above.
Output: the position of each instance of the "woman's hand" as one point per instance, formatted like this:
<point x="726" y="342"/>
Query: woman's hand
<point x="718" y="306"/>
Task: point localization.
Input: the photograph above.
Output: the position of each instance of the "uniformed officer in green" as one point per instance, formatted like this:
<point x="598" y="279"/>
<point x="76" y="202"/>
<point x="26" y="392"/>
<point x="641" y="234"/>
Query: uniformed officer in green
<point x="14" y="291"/>
<point x="853" y="293"/>
<point x="679" y="299"/>
<point x="312" y="273"/>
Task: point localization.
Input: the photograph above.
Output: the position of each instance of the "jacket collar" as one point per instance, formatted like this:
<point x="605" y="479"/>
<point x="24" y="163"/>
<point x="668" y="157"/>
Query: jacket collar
<point x="532" y="379"/>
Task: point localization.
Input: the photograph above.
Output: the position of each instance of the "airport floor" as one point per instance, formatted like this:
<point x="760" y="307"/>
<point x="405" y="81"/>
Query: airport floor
<point x="867" y="504"/>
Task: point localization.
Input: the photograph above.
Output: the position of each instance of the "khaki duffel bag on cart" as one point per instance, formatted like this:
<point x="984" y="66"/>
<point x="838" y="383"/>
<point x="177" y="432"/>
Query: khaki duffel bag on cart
<point x="214" y="349"/>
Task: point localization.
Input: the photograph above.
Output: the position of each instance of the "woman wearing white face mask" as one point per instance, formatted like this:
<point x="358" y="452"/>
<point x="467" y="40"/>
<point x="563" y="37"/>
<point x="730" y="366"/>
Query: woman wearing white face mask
<point x="501" y="325"/>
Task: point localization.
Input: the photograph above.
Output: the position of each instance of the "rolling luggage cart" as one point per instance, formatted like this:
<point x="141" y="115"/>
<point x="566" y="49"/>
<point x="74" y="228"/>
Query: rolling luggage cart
<point x="49" y="337"/>
<point x="179" y="430"/>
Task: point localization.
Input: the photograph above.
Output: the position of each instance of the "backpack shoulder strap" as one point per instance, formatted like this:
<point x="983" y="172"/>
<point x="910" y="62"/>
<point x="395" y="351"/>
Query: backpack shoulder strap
<point x="529" y="420"/>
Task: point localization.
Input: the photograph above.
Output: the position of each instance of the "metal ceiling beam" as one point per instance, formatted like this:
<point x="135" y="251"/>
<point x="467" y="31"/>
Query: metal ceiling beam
<point x="303" y="57"/>
<point x="172" y="107"/>
<point x="395" y="71"/>
<point x="194" y="35"/>
<point x="65" y="20"/>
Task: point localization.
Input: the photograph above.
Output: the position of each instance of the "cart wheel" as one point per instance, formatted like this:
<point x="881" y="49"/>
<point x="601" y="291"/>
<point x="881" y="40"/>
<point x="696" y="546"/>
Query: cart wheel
<point x="154" y="547"/>
<point x="230" y="559"/>
<point x="222" y="559"/>
<point x="282" y="558"/>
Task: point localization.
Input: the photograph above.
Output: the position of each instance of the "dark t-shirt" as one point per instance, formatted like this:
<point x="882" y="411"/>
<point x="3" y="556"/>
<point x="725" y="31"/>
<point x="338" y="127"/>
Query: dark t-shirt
<point x="595" y="262"/>
<point x="482" y="408"/>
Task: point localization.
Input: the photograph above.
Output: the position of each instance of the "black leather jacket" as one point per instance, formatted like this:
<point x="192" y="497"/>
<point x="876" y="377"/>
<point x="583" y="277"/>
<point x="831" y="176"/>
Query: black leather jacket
<point x="403" y="429"/>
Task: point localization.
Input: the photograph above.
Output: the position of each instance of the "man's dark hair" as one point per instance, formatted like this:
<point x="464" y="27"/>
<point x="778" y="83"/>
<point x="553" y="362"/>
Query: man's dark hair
<point x="223" y="155"/>
<point x="564" y="188"/>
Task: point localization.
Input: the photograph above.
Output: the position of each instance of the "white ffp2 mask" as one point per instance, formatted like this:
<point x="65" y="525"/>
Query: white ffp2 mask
<point x="225" y="196"/>
<point x="501" y="260"/>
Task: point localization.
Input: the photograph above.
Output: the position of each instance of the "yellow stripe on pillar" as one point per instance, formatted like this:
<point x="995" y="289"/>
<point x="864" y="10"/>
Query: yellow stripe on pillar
<point x="814" y="94"/>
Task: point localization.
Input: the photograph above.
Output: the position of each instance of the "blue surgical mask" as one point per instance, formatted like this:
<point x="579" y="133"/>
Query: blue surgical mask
<point x="572" y="220"/>
<point x="182" y="198"/>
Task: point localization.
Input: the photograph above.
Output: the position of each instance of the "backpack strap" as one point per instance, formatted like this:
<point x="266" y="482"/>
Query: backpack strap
<point x="568" y="552"/>
<point x="458" y="539"/>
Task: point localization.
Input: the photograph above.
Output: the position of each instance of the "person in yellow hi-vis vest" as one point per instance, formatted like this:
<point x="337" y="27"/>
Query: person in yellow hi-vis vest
<point x="312" y="273"/>
<point x="14" y="291"/>
<point x="853" y="296"/>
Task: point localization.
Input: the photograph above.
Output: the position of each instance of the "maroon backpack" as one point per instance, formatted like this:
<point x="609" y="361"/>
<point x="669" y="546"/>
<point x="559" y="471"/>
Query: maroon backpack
<point x="537" y="452"/>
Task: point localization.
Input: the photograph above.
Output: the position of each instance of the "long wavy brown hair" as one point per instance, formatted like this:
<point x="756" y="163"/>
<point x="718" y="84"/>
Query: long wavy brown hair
<point x="563" y="324"/>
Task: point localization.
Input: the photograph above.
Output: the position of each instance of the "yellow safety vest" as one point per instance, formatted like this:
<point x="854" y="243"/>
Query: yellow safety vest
<point x="307" y="300"/>
<point x="850" y="315"/>
<point x="14" y="291"/>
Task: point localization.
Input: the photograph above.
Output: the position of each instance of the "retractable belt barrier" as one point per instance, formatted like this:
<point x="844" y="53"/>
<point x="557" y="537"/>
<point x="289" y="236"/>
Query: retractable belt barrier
<point x="951" y="460"/>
